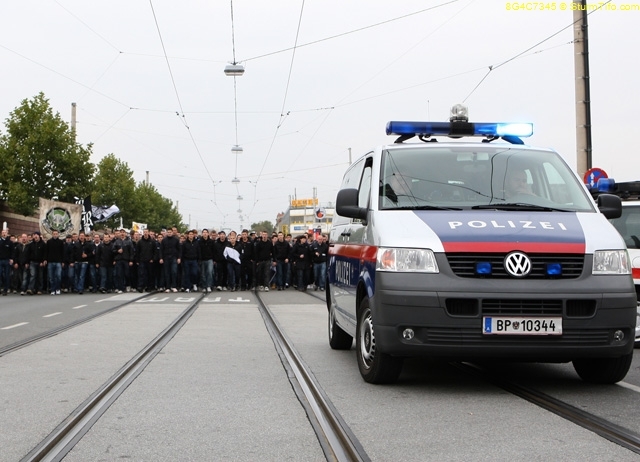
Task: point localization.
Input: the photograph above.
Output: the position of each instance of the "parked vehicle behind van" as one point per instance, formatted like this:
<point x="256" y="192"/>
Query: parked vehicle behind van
<point x="469" y="250"/>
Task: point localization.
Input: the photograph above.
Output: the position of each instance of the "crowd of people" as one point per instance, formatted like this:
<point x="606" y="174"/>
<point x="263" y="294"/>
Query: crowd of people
<point x="164" y="261"/>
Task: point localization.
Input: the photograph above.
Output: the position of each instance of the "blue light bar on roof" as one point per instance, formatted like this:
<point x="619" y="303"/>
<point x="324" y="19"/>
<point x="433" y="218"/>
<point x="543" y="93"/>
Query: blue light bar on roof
<point x="460" y="128"/>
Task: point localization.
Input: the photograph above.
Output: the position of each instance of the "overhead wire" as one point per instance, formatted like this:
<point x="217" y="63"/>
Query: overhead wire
<point x="349" y="32"/>
<point x="284" y="99"/>
<point x="235" y="109"/>
<point x="431" y="32"/>
<point x="492" y="68"/>
<point x="180" y="114"/>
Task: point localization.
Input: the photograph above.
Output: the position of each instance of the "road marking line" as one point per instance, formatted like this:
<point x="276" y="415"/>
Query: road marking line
<point x="212" y="300"/>
<point x="239" y="299"/>
<point x="78" y="307"/>
<point x="15" y="325"/>
<point x="630" y="386"/>
<point x="52" y="314"/>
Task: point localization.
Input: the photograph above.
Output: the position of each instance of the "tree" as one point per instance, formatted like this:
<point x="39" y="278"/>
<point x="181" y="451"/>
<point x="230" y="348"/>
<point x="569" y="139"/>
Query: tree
<point x="41" y="158"/>
<point x="155" y="210"/>
<point x="114" y="184"/>
<point x="265" y="225"/>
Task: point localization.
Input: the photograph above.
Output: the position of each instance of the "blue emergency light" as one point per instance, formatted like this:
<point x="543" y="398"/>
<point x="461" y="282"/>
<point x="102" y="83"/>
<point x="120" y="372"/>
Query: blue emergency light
<point x="483" y="268"/>
<point x="459" y="126"/>
<point x="553" y="269"/>
<point x="606" y="185"/>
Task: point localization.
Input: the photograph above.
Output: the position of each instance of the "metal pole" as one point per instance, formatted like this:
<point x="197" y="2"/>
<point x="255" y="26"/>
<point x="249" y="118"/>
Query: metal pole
<point x="582" y="89"/>
<point x="73" y="119"/>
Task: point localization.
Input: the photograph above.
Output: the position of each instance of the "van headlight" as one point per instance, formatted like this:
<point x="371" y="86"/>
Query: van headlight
<point x="406" y="260"/>
<point x="611" y="262"/>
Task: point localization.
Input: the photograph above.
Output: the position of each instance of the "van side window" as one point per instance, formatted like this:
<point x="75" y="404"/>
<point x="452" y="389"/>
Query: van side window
<point x="353" y="175"/>
<point x="365" y="186"/>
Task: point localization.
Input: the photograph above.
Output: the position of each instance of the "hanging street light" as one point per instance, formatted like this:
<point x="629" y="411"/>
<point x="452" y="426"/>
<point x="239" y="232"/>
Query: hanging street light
<point x="234" y="70"/>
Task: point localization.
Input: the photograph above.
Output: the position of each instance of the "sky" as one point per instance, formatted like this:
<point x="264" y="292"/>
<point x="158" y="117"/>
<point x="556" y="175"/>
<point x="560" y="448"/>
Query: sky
<point x="322" y="78"/>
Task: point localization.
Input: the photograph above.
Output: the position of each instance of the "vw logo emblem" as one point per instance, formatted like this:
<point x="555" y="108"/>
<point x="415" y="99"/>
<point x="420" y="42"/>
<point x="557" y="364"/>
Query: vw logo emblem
<point x="517" y="264"/>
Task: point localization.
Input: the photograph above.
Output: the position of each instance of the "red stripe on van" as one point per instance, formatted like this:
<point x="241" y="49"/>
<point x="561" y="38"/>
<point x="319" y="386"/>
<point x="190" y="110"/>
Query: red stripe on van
<point x="531" y="247"/>
<point x="355" y="251"/>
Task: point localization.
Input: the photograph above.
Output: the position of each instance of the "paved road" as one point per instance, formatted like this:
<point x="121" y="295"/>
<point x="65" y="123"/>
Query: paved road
<point x="218" y="391"/>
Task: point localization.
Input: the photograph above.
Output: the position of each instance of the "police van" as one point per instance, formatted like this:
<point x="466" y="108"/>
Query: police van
<point x="467" y="250"/>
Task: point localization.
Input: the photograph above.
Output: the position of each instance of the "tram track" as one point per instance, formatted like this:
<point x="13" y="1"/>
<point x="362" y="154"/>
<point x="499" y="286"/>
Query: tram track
<point x="611" y="431"/>
<point x="66" y="435"/>
<point x="52" y="332"/>
<point x="336" y="439"/>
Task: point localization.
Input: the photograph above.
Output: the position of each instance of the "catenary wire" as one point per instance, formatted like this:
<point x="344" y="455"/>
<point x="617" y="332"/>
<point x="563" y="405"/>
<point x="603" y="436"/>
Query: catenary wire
<point x="181" y="115"/>
<point x="494" y="67"/>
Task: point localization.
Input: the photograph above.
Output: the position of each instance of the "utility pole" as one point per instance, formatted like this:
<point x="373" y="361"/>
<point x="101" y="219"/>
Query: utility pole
<point x="583" y="93"/>
<point x="73" y="119"/>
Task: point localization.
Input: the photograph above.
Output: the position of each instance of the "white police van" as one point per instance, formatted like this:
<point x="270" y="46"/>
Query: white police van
<point x="474" y="250"/>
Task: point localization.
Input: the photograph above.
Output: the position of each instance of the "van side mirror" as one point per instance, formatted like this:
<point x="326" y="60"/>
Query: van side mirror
<point x="347" y="204"/>
<point x="610" y="205"/>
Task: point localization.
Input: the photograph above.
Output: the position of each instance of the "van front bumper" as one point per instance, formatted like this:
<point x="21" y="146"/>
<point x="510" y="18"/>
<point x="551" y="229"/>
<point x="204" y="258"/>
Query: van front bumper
<point x="446" y="313"/>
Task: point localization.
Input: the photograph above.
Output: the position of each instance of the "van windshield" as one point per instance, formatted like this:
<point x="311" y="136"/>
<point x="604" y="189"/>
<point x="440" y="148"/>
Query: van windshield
<point x="469" y="177"/>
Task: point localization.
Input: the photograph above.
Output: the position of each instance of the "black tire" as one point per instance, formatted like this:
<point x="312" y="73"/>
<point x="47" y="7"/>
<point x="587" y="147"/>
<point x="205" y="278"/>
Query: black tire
<point x="603" y="370"/>
<point x="338" y="338"/>
<point x="375" y="367"/>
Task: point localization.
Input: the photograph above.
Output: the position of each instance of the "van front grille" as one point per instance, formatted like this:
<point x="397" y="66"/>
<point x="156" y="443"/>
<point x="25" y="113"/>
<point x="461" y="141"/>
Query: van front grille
<point x="464" y="265"/>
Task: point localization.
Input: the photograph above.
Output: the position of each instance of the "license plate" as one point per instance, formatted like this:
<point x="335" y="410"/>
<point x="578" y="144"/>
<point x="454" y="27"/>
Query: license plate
<point x="503" y="325"/>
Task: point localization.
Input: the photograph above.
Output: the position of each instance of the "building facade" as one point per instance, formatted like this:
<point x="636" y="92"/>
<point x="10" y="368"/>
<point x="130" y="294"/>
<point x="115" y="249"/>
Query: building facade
<point x="304" y="215"/>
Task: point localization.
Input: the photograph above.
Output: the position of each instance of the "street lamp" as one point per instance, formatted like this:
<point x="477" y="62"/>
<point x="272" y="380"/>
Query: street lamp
<point x="234" y="70"/>
<point x="236" y="149"/>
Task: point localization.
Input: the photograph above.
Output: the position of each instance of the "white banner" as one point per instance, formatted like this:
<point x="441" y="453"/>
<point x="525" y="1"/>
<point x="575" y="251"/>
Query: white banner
<point x="60" y="216"/>
<point x="138" y="227"/>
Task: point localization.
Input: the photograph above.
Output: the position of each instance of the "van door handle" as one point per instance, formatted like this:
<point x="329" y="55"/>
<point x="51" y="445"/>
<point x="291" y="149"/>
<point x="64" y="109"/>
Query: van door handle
<point x="345" y="234"/>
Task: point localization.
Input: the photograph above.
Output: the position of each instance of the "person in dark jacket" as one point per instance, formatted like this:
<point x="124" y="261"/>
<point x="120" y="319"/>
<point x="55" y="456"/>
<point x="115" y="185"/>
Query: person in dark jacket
<point x="158" y="268"/>
<point x="105" y="263"/>
<point x="6" y="259"/>
<point x="220" y="261"/>
<point x="170" y="258"/>
<point x="146" y="256"/>
<point x="281" y="251"/>
<point x="301" y="261"/>
<point x="319" y="251"/>
<point x="207" y="252"/>
<point x="37" y="258"/>
<point x="264" y="260"/>
<point x="190" y="255"/>
<point x="84" y="253"/>
<point x="21" y="262"/>
<point x="93" y="269"/>
<point x="123" y="257"/>
<point x="55" y="257"/>
<point x="68" y="272"/>
<point x="247" y="270"/>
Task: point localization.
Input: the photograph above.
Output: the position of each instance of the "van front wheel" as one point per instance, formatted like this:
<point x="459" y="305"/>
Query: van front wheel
<point x="603" y="370"/>
<point x="375" y="367"/>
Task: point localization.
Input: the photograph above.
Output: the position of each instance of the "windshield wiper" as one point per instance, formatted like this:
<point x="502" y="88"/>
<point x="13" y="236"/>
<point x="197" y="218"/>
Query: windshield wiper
<point x="519" y="206"/>
<point x="422" y="207"/>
